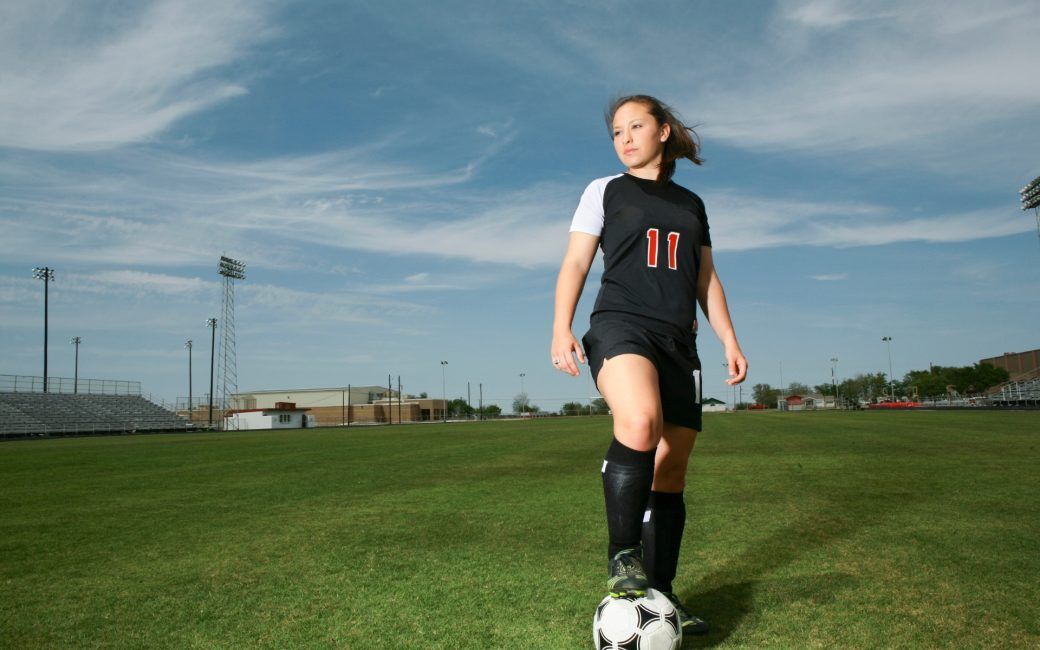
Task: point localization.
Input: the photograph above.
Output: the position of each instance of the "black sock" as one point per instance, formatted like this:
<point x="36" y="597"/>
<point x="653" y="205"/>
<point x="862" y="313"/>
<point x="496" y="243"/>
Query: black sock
<point x="662" y="536"/>
<point x="627" y="477"/>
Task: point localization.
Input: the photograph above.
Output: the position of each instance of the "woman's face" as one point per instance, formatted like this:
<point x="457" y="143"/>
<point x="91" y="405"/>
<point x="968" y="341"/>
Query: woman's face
<point x="638" y="139"/>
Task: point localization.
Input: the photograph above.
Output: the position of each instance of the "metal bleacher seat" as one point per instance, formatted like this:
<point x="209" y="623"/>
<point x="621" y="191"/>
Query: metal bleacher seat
<point x="55" y="413"/>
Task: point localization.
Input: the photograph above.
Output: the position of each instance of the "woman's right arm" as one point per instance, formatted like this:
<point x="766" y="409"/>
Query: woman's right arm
<point x="581" y="251"/>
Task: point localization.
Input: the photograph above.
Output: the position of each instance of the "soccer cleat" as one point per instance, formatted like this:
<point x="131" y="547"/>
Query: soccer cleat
<point x="689" y="623"/>
<point x="627" y="577"/>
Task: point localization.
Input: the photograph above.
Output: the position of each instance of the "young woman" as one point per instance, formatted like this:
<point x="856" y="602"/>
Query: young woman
<point x="641" y="346"/>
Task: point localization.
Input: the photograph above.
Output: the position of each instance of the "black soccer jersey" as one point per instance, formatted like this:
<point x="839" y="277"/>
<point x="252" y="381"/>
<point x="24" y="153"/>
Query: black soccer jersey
<point x="651" y="237"/>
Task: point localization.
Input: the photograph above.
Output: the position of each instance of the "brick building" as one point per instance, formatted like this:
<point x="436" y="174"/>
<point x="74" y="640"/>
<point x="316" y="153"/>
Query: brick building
<point x="347" y="405"/>
<point x="1020" y="365"/>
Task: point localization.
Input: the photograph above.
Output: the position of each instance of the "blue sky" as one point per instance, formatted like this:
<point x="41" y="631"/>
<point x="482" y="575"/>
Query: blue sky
<point x="399" y="178"/>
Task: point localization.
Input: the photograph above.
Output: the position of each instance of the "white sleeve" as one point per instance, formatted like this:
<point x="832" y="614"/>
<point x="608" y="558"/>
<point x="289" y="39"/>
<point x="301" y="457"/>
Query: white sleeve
<point x="588" y="217"/>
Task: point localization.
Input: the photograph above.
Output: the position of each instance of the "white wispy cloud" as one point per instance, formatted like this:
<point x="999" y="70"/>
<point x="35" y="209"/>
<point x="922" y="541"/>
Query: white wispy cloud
<point x="830" y="277"/>
<point x="75" y="78"/>
<point x="905" y="77"/>
<point x="747" y="223"/>
<point x="155" y="283"/>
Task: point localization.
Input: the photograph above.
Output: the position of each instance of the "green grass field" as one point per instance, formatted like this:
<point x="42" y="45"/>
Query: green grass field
<point x="804" y="530"/>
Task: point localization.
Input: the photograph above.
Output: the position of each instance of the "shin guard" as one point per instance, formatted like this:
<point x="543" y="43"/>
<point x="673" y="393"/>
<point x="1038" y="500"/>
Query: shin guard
<point x="627" y="477"/>
<point x="662" y="534"/>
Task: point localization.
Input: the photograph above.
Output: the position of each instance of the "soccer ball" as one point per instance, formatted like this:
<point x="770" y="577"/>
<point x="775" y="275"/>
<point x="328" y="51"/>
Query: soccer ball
<point x="647" y="623"/>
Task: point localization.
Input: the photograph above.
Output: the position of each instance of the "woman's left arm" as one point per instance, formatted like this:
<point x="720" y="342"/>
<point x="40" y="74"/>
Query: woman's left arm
<point x="713" y="303"/>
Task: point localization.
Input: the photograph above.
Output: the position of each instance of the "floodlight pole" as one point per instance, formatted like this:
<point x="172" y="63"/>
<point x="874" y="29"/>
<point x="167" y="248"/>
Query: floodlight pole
<point x="891" y="386"/>
<point x="522" y="405"/>
<point x="444" y="395"/>
<point x="212" y="322"/>
<point x="834" y="381"/>
<point x="188" y="344"/>
<point x="231" y="270"/>
<point x="75" y="340"/>
<point x="46" y="274"/>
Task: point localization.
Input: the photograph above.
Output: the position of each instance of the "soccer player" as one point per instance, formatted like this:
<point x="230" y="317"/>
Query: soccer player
<point x="641" y="345"/>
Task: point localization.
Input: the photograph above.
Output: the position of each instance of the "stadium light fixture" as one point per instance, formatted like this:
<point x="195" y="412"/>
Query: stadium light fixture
<point x="188" y="344"/>
<point x="444" y="394"/>
<point x="231" y="268"/>
<point x="1031" y="200"/>
<point x="1031" y="195"/>
<point x="47" y="275"/>
<point x="212" y="323"/>
<point x="75" y="340"/>
<point x="891" y="379"/>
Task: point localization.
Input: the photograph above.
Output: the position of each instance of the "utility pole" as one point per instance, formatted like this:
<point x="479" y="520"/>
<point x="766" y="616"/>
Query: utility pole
<point x="75" y="340"/>
<point x="46" y="274"/>
<point x="188" y="344"/>
<point x="212" y="323"/>
<point x="444" y="393"/>
<point x="891" y="379"/>
<point x="834" y="380"/>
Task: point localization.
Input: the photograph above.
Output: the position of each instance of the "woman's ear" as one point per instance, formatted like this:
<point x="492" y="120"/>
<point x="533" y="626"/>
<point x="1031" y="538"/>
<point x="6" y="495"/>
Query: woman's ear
<point x="666" y="131"/>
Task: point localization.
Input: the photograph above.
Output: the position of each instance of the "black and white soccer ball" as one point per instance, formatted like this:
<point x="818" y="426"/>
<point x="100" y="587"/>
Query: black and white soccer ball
<point x="647" y="623"/>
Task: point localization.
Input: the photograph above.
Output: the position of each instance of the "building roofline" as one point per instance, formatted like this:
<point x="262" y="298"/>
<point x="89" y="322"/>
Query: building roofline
<point x="305" y="390"/>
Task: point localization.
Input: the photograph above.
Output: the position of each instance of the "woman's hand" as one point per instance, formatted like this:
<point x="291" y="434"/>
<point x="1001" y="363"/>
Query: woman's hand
<point x="737" y="365"/>
<point x="564" y="348"/>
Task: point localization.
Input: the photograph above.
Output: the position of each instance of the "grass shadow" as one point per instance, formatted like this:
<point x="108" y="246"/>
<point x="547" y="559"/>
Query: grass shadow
<point x="728" y="594"/>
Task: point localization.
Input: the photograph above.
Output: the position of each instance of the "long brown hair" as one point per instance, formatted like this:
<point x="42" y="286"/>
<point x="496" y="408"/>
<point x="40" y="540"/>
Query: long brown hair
<point x="682" y="141"/>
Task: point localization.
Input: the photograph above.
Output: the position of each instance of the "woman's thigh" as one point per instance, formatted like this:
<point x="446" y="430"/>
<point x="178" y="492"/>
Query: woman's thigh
<point x="629" y="384"/>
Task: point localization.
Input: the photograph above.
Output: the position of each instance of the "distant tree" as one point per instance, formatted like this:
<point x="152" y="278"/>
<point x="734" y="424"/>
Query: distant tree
<point x="824" y="389"/>
<point x="765" y="395"/>
<point x="459" y="408"/>
<point x="866" y="387"/>
<point x="492" y="410"/>
<point x="939" y="380"/>
<point x="572" y="408"/>
<point x="798" y="388"/>
<point x="599" y="406"/>
<point x="520" y="403"/>
<point x="423" y="395"/>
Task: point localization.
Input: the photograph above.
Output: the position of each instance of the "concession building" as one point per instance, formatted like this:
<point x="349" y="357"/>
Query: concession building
<point x="346" y="405"/>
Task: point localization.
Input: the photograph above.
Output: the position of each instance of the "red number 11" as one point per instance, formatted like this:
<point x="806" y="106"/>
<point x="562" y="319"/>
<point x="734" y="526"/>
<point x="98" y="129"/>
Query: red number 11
<point x="651" y="249"/>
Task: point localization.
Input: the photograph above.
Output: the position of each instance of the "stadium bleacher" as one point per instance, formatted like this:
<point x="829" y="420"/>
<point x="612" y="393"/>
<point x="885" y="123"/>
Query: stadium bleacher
<point x="64" y="414"/>
<point x="1017" y="393"/>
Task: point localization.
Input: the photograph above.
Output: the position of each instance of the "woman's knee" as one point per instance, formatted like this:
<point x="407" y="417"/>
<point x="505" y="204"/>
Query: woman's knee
<point x="640" y="430"/>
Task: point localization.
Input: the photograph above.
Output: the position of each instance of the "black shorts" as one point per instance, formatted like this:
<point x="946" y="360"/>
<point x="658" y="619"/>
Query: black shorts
<point x="676" y="360"/>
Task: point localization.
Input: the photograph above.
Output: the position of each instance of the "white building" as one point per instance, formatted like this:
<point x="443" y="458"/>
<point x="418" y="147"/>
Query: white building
<point x="712" y="405"/>
<point x="284" y="415"/>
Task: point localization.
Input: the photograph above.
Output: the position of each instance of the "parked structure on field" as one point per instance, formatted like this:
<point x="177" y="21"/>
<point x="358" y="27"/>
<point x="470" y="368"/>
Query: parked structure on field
<point x="284" y="415"/>
<point x="347" y="405"/>
<point x="712" y="405"/>
<point x="806" y="402"/>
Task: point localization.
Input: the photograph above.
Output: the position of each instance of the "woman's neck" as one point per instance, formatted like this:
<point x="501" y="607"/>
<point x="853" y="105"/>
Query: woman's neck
<point x="648" y="172"/>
